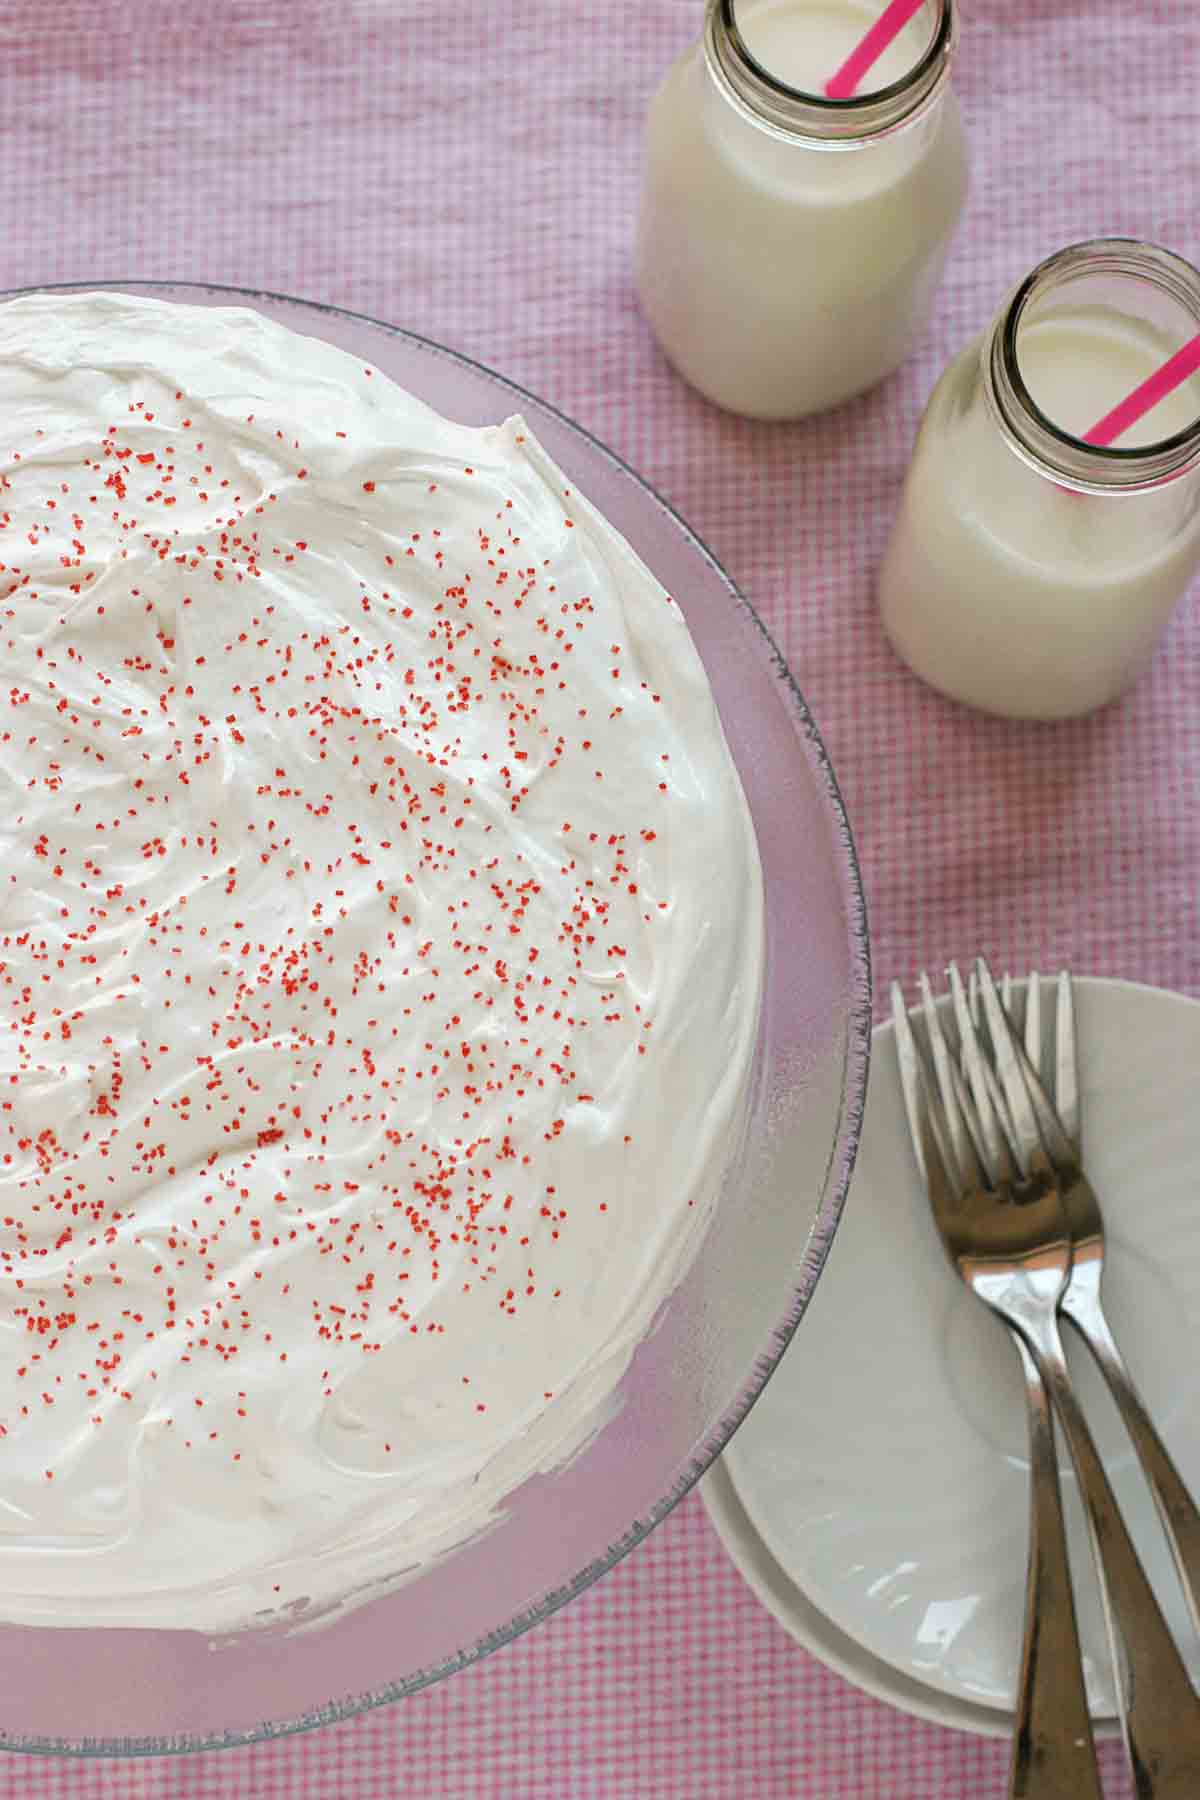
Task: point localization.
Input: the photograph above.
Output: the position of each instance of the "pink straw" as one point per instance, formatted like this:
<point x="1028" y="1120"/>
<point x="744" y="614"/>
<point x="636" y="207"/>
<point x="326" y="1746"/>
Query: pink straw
<point x="890" y="22"/>
<point x="1156" y="387"/>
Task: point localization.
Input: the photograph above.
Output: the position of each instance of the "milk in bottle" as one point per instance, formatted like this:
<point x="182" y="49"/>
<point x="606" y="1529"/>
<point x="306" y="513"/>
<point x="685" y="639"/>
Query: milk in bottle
<point x="789" y="245"/>
<point x="1030" y="573"/>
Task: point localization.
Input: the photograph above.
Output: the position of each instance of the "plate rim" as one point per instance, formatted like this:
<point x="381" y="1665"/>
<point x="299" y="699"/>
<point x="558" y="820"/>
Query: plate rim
<point x="817" y="1634"/>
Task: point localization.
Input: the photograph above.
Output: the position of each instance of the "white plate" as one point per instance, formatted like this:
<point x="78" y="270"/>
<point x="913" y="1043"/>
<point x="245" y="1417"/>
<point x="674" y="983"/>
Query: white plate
<point x="884" y="1469"/>
<point x="809" y="1626"/>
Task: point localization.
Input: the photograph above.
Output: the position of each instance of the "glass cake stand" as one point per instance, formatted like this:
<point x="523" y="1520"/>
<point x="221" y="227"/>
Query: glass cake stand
<point x="124" y="1692"/>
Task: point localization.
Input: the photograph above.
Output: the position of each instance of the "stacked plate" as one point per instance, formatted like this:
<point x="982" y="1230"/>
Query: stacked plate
<point x="876" y="1499"/>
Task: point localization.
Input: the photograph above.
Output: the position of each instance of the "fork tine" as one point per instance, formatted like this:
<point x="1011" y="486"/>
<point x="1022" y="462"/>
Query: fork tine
<point x="996" y="1152"/>
<point x="995" y="1092"/>
<point x="967" y="1153"/>
<point x="943" y="1185"/>
<point x="928" y="1144"/>
<point x="1033" y="1019"/>
<point x="1066" y="1069"/>
<point x="1008" y="998"/>
<point x="906" y="1057"/>
<point x="999" y="1167"/>
<point x="1058" y="1147"/>
<point x="1007" y="1048"/>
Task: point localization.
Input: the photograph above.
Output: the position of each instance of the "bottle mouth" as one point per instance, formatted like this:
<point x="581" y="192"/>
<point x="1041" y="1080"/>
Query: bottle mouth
<point x="1140" y="282"/>
<point x="833" y="123"/>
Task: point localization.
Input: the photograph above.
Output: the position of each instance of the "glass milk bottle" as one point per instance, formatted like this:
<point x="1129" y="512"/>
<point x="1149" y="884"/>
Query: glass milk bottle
<point x="1030" y="573"/>
<point x="789" y="245"/>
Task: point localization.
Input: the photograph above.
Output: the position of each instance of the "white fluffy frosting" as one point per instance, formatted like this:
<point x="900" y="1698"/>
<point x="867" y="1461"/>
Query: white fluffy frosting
<point x="380" y="955"/>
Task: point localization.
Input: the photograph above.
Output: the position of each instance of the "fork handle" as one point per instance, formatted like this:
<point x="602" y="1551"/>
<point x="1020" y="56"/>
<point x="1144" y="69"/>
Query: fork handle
<point x="1176" y="1508"/>
<point x="1160" y="1710"/>
<point x="1053" y="1756"/>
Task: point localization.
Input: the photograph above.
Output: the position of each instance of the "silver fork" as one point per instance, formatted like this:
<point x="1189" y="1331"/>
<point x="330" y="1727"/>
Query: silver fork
<point x="1053" y="1756"/>
<point x="1007" y="1235"/>
<point x="1059" y="1127"/>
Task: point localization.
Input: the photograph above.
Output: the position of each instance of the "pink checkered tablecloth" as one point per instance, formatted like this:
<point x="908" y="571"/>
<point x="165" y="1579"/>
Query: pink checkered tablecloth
<point x="470" y="171"/>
